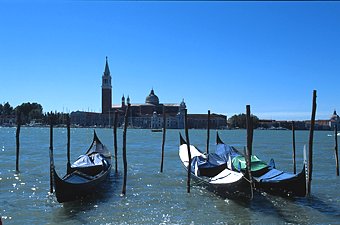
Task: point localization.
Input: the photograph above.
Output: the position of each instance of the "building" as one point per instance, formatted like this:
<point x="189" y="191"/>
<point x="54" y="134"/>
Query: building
<point x="147" y="115"/>
<point x="7" y="120"/>
<point x="334" y="121"/>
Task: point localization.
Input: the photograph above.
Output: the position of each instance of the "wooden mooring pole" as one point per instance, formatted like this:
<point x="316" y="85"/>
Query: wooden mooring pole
<point x="51" y="152"/>
<point x="208" y="132"/>
<point x="249" y="126"/>
<point x="68" y="125"/>
<point x="248" y="150"/>
<point x="163" y="139"/>
<point x="115" y="146"/>
<point x="294" y="157"/>
<point x="17" y="140"/>
<point x="310" y="147"/>
<point x="336" y="150"/>
<point x="126" y="117"/>
<point x="188" y="147"/>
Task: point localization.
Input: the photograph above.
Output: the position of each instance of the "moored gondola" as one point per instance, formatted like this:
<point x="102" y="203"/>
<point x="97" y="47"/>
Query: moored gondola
<point x="265" y="176"/>
<point x="210" y="171"/>
<point x="85" y="175"/>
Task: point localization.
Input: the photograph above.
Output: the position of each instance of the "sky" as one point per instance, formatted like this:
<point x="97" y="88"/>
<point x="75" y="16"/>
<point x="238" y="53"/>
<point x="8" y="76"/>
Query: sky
<point x="217" y="56"/>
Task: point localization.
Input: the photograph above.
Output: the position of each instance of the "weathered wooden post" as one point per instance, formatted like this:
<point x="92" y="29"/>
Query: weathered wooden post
<point x="310" y="148"/>
<point x="17" y="138"/>
<point x="68" y="125"/>
<point x="336" y="150"/>
<point x="115" y="140"/>
<point x="248" y="150"/>
<point x="249" y="125"/>
<point x="124" y="148"/>
<point x="294" y="158"/>
<point x="51" y="118"/>
<point x="163" y="139"/>
<point x="208" y="132"/>
<point x="188" y="147"/>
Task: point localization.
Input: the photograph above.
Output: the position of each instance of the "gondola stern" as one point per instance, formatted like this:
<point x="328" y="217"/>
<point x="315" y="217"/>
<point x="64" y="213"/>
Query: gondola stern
<point x="182" y="141"/>
<point x="218" y="139"/>
<point x="95" y="137"/>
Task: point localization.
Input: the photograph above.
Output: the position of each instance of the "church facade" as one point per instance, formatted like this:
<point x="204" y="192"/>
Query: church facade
<point x="147" y="115"/>
<point x="142" y="115"/>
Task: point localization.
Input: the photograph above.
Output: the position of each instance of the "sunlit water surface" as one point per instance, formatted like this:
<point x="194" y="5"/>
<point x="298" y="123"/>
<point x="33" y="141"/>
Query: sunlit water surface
<point x="160" y="198"/>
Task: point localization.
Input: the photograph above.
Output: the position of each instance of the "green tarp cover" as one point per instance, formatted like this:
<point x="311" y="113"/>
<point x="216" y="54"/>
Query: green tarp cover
<point x="256" y="163"/>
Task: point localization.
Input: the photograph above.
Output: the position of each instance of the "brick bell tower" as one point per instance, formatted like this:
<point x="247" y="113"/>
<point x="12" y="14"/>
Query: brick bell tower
<point x="106" y="90"/>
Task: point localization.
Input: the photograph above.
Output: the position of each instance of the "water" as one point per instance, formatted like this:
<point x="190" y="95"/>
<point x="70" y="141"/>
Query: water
<point x="159" y="198"/>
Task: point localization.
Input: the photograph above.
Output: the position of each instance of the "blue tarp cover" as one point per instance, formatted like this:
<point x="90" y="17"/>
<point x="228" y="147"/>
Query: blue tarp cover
<point x="212" y="160"/>
<point x="275" y="175"/>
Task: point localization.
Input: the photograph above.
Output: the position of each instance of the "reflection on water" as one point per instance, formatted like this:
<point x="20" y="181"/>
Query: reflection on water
<point x="159" y="198"/>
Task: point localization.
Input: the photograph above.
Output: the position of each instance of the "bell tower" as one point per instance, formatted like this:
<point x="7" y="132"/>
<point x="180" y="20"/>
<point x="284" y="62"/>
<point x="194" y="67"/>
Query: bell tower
<point x="106" y="89"/>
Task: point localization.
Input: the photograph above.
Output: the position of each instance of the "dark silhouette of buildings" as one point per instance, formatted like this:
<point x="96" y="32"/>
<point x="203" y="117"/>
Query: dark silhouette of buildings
<point x="147" y="115"/>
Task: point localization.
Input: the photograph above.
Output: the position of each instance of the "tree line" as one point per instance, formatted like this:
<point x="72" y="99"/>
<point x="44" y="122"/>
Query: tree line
<point x="239" y="121"/>
<point x="31" y="112"/>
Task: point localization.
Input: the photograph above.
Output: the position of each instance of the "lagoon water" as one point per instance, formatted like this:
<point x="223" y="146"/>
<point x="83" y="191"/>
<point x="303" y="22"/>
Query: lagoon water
<point x="160" y="198"/>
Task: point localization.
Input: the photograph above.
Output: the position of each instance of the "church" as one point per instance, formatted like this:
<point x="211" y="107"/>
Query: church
<point x="142" y="115"/>
<point x="147" y="115"/>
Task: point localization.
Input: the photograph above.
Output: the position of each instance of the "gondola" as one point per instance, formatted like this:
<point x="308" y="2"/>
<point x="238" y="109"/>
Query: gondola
<point x="210" y="171"/>
<point x="85" y="175"/>
<point x="265" y="176"/>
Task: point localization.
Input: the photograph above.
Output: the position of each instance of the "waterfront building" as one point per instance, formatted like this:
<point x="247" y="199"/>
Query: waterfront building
<point x="334" y="121"/>
<point x="147" y="115"/>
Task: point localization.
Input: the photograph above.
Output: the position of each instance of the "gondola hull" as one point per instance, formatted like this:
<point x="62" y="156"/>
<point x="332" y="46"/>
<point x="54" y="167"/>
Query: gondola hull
<point x="293" y="187"/>
<point x="219" y="179"/>
<point x="85" y="175"/>
<point x="265" y="177"/>
<point x="78" y="185"/>
<point x="239" y="189"/>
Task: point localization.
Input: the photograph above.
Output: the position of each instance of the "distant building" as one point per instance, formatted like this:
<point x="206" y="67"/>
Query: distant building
<point x="303" y="125"/>
<point x="334" y="121"/>
<point x="7" y="120"/>
<point x="147" y="115"/>
<point x="200" y="121"/>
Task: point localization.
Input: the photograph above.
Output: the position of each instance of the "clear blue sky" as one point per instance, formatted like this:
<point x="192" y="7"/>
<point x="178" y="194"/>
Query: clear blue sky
<point x="216" y="55"/>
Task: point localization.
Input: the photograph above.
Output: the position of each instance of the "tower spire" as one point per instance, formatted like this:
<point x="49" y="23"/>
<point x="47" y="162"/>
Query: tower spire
<point x="106" y="89"/>
<point x="107" y="69"/>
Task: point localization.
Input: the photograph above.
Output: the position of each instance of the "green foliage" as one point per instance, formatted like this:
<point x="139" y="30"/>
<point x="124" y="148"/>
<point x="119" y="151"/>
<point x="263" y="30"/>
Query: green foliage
<point x="6" y="109"/>
<point x="29" y="111"/>
<point x="239" y="121"/>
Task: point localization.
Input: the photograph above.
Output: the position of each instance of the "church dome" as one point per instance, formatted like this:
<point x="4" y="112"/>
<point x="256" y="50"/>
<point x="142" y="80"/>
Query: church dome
<point x="152" y="98"/>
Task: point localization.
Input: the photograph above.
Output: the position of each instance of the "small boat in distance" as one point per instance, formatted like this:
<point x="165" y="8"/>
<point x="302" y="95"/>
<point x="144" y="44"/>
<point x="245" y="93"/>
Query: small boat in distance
<point x="156" y="130"/>
<point x="265" y="176"/>
<point x="210" y="170"/>
<point x="85" y="174"/>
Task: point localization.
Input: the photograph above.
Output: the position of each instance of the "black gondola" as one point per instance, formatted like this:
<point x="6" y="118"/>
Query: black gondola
<point x="210" y="171"/>
<point x="265" y="176"/>
<point x="85" y="174"/>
